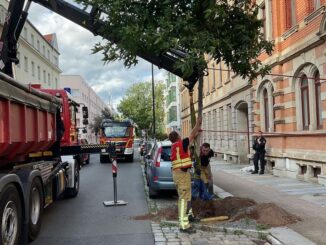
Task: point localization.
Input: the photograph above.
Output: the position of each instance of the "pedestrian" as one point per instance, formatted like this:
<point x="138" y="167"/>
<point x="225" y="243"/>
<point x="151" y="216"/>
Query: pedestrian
<point x="181" y="165"/>
<point x="205" y="169"/>
<point x="259" y="147"/>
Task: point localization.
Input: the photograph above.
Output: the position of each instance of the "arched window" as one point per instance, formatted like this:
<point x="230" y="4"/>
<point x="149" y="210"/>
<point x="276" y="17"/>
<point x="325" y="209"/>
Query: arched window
<point x="305" y="102"/>
<point x="266" y="109"/>
<point x="318" y="101"/>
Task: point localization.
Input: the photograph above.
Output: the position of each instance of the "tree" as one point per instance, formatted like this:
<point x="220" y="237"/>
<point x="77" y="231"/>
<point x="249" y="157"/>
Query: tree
<point x="227" y="30"/>
<point x="95" y="126"/>
<point x="137" y="105"/>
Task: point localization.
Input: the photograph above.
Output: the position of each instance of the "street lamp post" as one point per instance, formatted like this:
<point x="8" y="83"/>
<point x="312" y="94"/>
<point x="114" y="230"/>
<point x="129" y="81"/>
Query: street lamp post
<point x="153" y="95"/>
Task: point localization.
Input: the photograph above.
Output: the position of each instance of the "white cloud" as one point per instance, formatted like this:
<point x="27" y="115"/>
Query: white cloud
<point x="75" y="43"/>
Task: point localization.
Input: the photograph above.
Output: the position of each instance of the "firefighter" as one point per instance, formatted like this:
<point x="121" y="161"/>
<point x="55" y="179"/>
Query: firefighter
<point x="181" y="165"/>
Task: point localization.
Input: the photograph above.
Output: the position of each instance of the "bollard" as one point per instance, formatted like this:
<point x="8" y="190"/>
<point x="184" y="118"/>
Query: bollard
<point x="115" y="202"/>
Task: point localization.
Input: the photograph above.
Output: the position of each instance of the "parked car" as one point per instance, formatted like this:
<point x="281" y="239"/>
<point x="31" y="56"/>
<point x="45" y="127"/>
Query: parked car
<point x="147" y="152"/>
<point x="158" y="168"/>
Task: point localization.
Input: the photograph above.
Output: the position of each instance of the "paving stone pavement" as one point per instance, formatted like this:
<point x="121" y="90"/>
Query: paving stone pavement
<point x="314" y="193"/>
<point x="167" y="233"/>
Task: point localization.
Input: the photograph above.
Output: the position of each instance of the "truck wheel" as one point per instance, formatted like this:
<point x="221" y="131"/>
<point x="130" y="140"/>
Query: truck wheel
<point x="104" y="159"/>
<point x="73" y="192"/>
<point x="10" y="215"/>
<point x="36" y="205"/>
<point x="130" y="158"/>
<point x="87" y="161"/>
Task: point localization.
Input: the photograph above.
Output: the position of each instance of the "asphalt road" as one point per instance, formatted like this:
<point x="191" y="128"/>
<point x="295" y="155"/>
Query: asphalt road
<point x="85" y="220"/>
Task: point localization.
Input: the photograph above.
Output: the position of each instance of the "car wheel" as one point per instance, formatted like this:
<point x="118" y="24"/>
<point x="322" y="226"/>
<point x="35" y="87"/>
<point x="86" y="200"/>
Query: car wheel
<point x="151" y="192"/>
<point x="36" y="198"/>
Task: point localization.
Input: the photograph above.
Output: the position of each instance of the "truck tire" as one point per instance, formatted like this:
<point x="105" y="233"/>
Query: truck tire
<point x="104" y="159"/>
<point x="87" y="161"/>
<point x="130" y="158"/>
<point x="36" y="204"/>
<point x="10" y="215"/>
<point x="73" y="192"/>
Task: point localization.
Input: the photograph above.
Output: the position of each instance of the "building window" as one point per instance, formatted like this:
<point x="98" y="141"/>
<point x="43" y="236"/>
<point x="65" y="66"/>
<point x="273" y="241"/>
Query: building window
<point x="318" y="101"/>
<point x="26" y="64"/>
<point x="44" y="76"/>
<point x="263" y="18"/>
<point x="39" y="73"/>
<point x="56" y="83"/>
<point x="316" y="4"/>
<point x="214" y="80"/>
<point x="313" y="5"/>
<point x="221" y="121"/>
<point x="18" y="57"/>
<point x="229" y="73"/>
<point x="33" y="68"/>
<point x="229" y="120"/>
<point x="25" y="33"/>
<point x="32" y="40"/>
<point x="49" y="79"/>
<point x="305" y="102"/>
<point x="290" y="13"/>
<point x="266" y="109"/>
<point x="38" y="45"/>
<point x="43" y="50"/>
<point x="48" y="54"/>
<point x="221" y="77"/>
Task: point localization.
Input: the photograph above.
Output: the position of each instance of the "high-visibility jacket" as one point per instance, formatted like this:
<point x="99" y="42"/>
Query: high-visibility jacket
<point x="179" y="158"/>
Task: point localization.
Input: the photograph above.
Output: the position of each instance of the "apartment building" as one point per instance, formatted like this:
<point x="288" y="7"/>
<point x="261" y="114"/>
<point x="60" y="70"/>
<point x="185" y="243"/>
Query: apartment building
<point x="172" y="103"/>
<point x="38" y="55"/>
<point x="83" y="94"/>
<point x="289" y="105"/>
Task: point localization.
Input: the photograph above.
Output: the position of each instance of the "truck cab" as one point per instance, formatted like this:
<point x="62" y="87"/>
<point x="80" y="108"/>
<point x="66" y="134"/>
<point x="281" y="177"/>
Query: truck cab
<point x="122" y="134"/>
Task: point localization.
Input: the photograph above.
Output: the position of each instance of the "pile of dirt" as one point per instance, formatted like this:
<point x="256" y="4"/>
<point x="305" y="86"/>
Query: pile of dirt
<point x="229" y="206"/>
<point x="267" y="214"/>
<point x="235" y="207"/>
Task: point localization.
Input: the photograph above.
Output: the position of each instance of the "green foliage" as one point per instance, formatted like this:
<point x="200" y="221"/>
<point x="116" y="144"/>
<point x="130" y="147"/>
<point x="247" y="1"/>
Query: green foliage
<point x="137" y="105"/>
<point x="223" y="29"/>
<point x="95" y="126"/>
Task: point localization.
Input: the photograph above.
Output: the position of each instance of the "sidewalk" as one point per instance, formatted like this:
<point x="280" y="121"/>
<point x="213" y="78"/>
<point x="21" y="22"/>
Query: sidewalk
<point x="306" y="200"/>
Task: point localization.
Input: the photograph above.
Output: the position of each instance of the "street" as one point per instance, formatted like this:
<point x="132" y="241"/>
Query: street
<point x="85" y="220"/>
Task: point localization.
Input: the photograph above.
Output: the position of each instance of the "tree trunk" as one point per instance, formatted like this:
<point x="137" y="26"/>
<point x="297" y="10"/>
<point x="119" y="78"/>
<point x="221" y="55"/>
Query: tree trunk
<point x="196" y="143"/>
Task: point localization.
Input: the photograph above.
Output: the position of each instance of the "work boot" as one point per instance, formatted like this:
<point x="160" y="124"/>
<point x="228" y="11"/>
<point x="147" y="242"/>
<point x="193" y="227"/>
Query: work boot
<point x="189" y="230"/>
<point x="193" y="219"/>
<point x="261" y="172"/>
<point x="254" y="172"/>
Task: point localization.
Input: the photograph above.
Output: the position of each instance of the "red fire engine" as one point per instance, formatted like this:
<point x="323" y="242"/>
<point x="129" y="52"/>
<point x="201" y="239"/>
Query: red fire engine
<point x="122" y="134"/>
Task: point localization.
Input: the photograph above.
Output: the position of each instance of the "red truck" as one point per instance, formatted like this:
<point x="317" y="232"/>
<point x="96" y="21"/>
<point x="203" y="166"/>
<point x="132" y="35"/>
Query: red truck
<point x="122" y="134"/>
<point x="39" y="156"/>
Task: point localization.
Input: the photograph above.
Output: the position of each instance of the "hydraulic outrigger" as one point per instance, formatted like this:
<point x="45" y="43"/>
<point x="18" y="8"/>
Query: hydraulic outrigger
<point x="17" y="15"/>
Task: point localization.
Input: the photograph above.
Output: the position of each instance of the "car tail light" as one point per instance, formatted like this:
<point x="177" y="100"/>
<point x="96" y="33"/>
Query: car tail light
<point x="155" y="178"/>
<point x="158" y="158"/>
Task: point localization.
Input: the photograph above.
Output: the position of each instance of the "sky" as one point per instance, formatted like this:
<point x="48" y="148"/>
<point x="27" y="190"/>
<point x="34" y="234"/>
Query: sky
<point x="111" y="80"/>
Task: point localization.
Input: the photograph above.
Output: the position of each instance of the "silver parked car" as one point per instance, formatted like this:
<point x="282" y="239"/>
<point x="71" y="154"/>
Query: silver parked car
<point x="158" y="168"/>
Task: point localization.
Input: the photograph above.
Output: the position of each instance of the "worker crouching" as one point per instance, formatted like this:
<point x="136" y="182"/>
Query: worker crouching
<point x="181" y="165"/>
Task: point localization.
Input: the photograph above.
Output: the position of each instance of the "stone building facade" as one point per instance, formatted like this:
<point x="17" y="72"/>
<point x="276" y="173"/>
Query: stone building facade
<point x="288" y="106"/>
